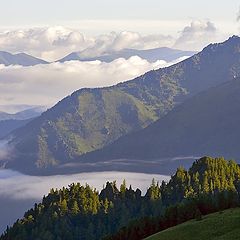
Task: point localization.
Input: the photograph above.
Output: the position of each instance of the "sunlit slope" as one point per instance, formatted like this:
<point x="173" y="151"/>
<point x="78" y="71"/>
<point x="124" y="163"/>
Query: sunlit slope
<point x="218" y="226"/>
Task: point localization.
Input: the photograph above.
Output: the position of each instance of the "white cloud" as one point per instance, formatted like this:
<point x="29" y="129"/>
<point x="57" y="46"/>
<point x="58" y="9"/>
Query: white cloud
<point x="238" y="15"/>
<point x="15" y="185"/>
<point x="48" y="83"/>
<point x="197" y="35"/>
<point x="47" y="43"/>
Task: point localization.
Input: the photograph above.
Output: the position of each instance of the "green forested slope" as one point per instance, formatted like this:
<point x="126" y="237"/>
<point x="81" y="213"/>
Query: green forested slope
<point x="207" y="123"/>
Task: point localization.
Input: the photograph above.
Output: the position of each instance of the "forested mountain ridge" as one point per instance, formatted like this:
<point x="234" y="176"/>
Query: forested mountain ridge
<point x="90" y="119"/>
<point x="80" y="212"/>
<point x="207" y="123"/>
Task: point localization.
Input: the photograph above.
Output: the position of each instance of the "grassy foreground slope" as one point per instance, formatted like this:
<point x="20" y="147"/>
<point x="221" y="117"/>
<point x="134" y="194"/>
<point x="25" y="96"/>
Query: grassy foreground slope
<point x="217" y="226"/>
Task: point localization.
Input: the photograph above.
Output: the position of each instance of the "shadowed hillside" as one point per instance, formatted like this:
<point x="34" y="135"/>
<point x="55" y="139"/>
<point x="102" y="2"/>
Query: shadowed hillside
<point x="207" y="123"/>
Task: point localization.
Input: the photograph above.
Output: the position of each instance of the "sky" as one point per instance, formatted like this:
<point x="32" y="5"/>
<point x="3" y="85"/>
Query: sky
<point x="152" y="16"/>
<point x="52" y="29"/>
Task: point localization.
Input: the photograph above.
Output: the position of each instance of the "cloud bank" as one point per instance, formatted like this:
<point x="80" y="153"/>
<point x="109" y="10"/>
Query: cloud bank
<point x="48" y="83"/>
<point x="53" y="43"/>
<point x="14" y="185"/>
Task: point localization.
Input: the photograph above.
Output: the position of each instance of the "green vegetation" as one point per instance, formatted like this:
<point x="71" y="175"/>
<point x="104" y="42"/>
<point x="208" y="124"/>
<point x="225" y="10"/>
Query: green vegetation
<point x="80" y="212"/>
<point x="218" y="226"/>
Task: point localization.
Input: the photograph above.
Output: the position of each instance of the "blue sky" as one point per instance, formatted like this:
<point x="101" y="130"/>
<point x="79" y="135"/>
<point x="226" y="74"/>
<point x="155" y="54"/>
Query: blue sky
<point x="119" y="15"/>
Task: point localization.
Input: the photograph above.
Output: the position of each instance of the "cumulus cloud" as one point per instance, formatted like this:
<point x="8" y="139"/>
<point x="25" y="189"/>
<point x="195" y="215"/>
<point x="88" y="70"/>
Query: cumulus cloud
<point x="238" y="15"/>
<point x="48" y="83"/>
<point x="197" y="35"/>
<point x="47" y="43"/>
<point x="15" y="185"/>
<point x="53" y="43"/>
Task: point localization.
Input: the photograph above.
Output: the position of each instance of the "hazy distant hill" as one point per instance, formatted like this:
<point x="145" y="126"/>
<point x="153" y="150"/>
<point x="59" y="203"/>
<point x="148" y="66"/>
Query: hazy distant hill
<point x="151" y="55"/>
<point x="24" y="114"/>
<point x="207" y="123"/>
<point x="14" y="108"/>
<point x="90" y="119"/>
<point x="22" y="59"/>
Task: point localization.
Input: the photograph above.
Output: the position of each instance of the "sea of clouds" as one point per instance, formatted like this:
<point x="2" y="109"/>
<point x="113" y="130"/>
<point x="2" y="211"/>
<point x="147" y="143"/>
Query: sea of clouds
<point x="46" y="84"/>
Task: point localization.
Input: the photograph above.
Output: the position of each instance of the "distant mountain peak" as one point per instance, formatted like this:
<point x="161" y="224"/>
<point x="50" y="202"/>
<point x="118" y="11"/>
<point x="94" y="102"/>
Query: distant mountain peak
<point x="21" y="59"/>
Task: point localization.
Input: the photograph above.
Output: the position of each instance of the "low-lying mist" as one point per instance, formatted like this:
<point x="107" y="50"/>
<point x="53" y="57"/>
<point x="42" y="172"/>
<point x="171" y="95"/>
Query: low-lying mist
<point x="15" y="185"/>
<point x="19" y="192"/>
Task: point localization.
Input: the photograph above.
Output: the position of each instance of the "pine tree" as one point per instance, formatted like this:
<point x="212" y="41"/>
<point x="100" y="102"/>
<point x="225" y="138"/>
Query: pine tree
<point x="75" y="209"/>
<point x="123" y="187"/>
<point x="63" y="206"/>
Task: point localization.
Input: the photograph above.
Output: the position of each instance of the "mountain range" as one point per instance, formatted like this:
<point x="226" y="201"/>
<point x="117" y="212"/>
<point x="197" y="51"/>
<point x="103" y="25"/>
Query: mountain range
<point x="151" y="55"/>
<point x="21" y="59"/>
<point x="91" y="119"/>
